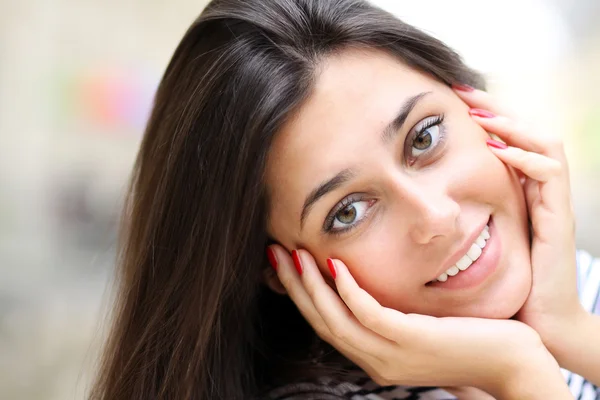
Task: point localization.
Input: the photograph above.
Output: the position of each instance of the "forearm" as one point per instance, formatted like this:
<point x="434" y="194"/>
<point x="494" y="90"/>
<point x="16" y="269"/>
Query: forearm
<point x="578" y="348"/>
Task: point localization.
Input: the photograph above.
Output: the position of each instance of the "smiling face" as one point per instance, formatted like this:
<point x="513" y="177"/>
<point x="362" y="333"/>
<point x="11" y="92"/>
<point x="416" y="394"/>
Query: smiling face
<point x="384" y="169"/>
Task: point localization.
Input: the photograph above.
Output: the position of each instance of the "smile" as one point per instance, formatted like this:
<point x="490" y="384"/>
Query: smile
<point x="469" y="258"/>
<point x="477" y="265"/>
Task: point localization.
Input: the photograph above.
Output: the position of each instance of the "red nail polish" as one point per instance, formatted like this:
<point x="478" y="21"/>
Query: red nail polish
<point x="496" y="144"/>
<point x="331" y="266"/>
<point x="462" y="87"/>
<point x="297" y="262"/>
<point x="272" y="258"/>
<point x="481" y="113"/>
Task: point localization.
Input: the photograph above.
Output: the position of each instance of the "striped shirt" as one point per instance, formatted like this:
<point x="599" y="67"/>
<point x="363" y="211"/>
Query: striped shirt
<point x="588" y="286"/>
<point x="363" y="388"/>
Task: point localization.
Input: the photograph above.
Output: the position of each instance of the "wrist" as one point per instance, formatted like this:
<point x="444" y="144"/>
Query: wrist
<point x="577" y="348"/>
<point x="534" y="374"/>
<point x="564" y="337"/>
<point x="537" y="384"/>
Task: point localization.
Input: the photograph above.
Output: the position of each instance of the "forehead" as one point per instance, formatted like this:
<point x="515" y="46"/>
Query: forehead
<point x="356" y="94"/>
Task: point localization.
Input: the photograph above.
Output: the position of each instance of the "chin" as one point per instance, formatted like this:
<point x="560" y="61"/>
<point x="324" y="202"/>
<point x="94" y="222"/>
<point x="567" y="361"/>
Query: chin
<point x="505" y="308"/>
<point x="511" y="304"/>
<point x="504" y="300"/>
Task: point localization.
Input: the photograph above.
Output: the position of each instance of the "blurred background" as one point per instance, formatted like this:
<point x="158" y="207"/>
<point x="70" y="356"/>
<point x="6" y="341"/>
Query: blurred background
<point x="77" y="78"/>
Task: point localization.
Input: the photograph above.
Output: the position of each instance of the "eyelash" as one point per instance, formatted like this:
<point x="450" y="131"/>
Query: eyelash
<point x="426" y="124"/>
<point x="353" y="198"/>
<point x="429" y="122"/>
<point x="328" y="225"/>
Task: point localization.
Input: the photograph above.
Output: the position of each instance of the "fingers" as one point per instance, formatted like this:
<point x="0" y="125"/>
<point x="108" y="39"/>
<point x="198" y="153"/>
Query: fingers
<point x="475" y="98"/>
<point x="540" y="158"/>
<point x="534" y="165"/>
<point x="551" y="189"/>
<point x="511" y="132"/>
<point x="491" y="116"/>
<point x="385" y="321"/>
<point x="295" y="290"/>
<point x="323" y="308"/>
<point x="518" y="135"/>
<point x="292" y="282"/>
<point x="341" y="322"/>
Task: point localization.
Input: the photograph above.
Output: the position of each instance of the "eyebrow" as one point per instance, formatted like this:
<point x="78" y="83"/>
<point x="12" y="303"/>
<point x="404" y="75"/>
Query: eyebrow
<point x="342" y="177"/>
<point x="392" y="129"/>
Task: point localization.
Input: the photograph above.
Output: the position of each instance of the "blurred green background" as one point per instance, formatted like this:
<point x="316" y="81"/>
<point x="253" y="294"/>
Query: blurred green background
<point x="76" y="83"/>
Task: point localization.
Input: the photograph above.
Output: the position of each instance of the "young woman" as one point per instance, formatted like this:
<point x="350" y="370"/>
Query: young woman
<point x="414" y="257"/>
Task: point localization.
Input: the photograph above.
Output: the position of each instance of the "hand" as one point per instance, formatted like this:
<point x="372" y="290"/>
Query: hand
<point x="505" y="358"/>
<point x="553" y="303"/>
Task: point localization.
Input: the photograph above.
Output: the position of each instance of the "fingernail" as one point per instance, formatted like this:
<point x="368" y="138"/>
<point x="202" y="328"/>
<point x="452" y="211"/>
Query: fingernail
<point x="272" y="258"/>
<point x="297" y="262"/>
<point x="463" y="87"/>
<point x="481" y="113"/>
<point x="331" y="266"/>
<point x="496" y="144"/>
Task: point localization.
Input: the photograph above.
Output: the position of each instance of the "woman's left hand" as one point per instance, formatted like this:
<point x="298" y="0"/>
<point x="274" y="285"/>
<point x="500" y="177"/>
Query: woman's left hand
<point x="552" y="306"/>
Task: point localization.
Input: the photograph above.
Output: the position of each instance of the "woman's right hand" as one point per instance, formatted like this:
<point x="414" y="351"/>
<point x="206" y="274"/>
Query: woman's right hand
<point x="504" y="358"/>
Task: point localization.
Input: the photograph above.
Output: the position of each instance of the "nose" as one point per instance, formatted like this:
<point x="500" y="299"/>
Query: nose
<point x="430" y="212"/>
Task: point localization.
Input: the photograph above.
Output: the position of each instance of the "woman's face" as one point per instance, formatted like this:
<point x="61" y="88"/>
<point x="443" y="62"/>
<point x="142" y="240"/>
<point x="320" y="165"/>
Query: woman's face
<point x="400" y="202"/>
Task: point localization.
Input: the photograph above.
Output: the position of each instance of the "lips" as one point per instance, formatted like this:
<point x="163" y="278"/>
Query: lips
<point x="462" y="250"/>
<point x="479" y="271"/>
<point x="473" y="254"/>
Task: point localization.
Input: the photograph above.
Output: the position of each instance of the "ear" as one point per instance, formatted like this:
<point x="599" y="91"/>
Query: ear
<point x="270" y="278"/>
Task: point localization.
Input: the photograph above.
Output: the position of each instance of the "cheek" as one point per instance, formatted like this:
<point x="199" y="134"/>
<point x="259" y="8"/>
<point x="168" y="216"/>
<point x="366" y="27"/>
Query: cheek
<point x="382" y="260"/>
<point x="476" y="173"/>
<point x="375" y="262"/>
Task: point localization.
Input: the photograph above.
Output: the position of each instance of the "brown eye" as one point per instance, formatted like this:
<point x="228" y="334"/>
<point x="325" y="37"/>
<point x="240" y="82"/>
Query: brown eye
<point x="350" y="215"/>
<point x="425" y="140"/>
<point x="347" y="215"/>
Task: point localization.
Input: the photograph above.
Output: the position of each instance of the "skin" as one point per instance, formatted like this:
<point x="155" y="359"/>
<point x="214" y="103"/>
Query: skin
<point x="419" y="210"/>
<point x="470" y="357"/>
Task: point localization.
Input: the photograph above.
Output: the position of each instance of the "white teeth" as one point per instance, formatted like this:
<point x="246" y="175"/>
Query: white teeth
<point x="453" y="270"/>
<point x="464" y="263"/>
<point x="480" y="242"/>
<point x="472" y="255"/>
<point x="474" y="252"/>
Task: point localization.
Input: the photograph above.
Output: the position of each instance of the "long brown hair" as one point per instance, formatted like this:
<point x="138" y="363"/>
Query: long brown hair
<point x="192" y="319"/>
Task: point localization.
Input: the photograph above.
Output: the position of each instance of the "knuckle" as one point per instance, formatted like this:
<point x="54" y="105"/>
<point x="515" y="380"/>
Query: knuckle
<point x="523" y="158"/>
<point x="348" y="313"/>
<point x="310" y="290"/>
<point x="555" y="143"/>
<point x="287" y="281"/>
<point x="385" y="378"/>
<point x="323" y="332"/>
<point x="380" y="380"/>
<point x="555" y="167"/>
<point x="370" y="319"/>
<point x="344" y="293"/>
<point x="339" y="333"/>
